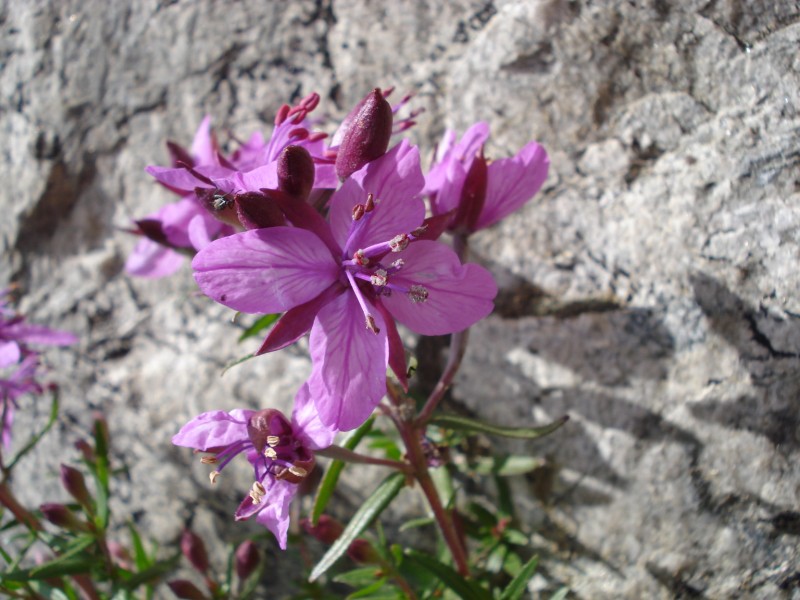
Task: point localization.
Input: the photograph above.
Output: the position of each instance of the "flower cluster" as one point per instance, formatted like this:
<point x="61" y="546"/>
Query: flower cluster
<point x="19" y="363"/>
<point x="339" y="240"/>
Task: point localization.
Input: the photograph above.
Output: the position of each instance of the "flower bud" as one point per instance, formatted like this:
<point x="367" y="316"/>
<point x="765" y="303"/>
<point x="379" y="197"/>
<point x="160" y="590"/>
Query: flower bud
<point x="254" y="210"/>
<point x="61" y="516"/>
<point x="473" y="195"/>
<point x="183" y="588"/>
<point x="194" y="550"/>
<point x="367" y="130"/>
<point x="296" y="172"/>
<point x="247" y="559"/>
<point x="86" y="450"/>
<point x="327" y="530"/>
<point x="75" y="484"/>
<point x="363" y="552"/>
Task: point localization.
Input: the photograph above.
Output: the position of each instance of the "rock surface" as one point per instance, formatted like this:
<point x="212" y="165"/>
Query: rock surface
<point x="651" y="292"/>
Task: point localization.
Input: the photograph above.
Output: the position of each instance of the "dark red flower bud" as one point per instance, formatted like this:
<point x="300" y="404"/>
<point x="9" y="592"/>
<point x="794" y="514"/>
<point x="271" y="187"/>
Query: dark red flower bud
<point x="247" y="559"/>
<point x="194" y="550"/>
<point x="473" y="195"/>
<point x="363" y="553"/>
<point x="254" y="210"/>
<point x="183" y="588"/>
<point x="296" y="172"/>
<point x="327" y="530"/>
<point x="86" y="450"/>
<point x="367" y="130"/>
<point x="61" y="516"/>
<point x="75" y="484"/>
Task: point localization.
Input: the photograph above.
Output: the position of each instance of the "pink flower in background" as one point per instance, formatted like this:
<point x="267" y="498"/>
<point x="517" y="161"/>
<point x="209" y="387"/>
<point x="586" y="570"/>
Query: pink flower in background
<point x="347" y="281"/>
<point x="208" y="181"/>
<point x="19" y="362"/>
<point x="477" y="192"/>
<point x="281" y="453"/>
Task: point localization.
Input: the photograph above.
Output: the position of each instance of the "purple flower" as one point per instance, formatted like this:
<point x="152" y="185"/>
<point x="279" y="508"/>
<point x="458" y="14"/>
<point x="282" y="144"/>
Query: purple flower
<point x="280" y="451"/>
<point x="478" y="193"/>
<point x="347" y="281"/>
<point x="18" y="379"/>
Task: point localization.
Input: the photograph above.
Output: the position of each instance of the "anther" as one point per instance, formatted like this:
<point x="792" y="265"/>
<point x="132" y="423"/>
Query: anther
<point x="209" y="460"/>
<point x="399" y="242"/>
<point x="369" y="206"/>
<point x="371" y="324"/>
<point x="360" y="258"/>
<point x="298" y="471"/>
<point x="257" y="492"/>
<point x="273" y="440"/>
<point x="417" y="293"/>
<point x="213" y="476"/>
<point x="398" y="264"/>
<point x="358" y="212"/>
<point x="379" y="278"/>
<point x="270" y="453"/>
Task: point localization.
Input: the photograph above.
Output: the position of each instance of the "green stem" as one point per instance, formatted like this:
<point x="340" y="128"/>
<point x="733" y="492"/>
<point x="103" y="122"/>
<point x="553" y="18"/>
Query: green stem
<point x="345" y="455"/>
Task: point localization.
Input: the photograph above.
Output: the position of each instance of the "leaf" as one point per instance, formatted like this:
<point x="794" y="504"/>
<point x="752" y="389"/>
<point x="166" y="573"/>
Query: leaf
<point x="414" y="523"/>
<point x="519" y="584"/>
<point x="560" y="594"/>
<point x="234" y="362"/>
<point x="261" y="324"/>
<point x="54" y="404"/>
<point x="459" y="423"/>
<point x="506" y="466"/>
<point x="331" y="477"/>
<point x="466" y="589"/>
<point x="152" y="573"/>
<point x="140" y="558"/>
<point x="358" y="577"/>
<point x="372" y="507"/>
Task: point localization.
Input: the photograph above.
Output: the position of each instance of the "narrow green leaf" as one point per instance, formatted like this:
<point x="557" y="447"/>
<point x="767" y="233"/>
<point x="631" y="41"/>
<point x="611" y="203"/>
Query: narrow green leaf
<point x="372" y="591"/>
<point x="101" y="473"/>
<point x="152" y="573"/>
<point x="236" y="361"/>
<point x="54" y="404"/>
<point x="260" y="325"/>
<point x="459" y="423"/>
<point x="519" y="584"/>
<point x="560" y="594"/>
<point x="506" y="466"/>
<point x="466" y="589"/>
<point x="140" y="558"/>
<point x="358" y="577"/>
<point x="59" y="567"/>
<point x="414" y="523"/>
<point x="371" y="508"/>
<point x="331" y="477"/>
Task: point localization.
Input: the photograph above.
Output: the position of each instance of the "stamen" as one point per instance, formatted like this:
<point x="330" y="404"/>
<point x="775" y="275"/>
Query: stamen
<point x="213" y="476"/>
<point x="360" y="258"/>
<point x="298" y="471"/>
<point x="399" y="242"/>
<point x="417" y="294"/>
<point x="257" y="492"/>
<point x="273" y="440"/>
<point x="398" y="264"/>
<point x="270" y="453"/>
<point x="209" y="460"/>
<point x="371" y="324"/>
<point x="369" y="206"/>
<point x="358" y="212"/>
<point x="379" y="278"/>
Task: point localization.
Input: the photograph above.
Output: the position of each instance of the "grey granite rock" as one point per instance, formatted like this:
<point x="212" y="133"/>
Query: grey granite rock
<point x="651" y="291"/>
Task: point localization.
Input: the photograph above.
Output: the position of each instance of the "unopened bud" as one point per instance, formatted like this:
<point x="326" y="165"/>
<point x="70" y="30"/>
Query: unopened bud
<point x="296" y="172"/>
<point x="61" y="516"/>
<point x="367" y="130"/>
<point x="86" y="450"/>
<point x="101" y="433"/>
<point x="75" y="484"/>
<point x="247" y="559"/>
<point x="473" y="194"/>
<point x="194" y="550"/>
<point x="327" y="530"/>
<point x="183" y="588"/>
<point x="363" y="552"/>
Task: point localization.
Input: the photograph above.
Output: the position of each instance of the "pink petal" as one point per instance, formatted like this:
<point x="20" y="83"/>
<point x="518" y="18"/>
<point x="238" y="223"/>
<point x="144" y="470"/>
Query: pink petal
<point x="395" y="181"/>
<point x="152" y="260"/>
<point x="348" y="378"/>
<point x="275" y="516"/>
<point x="203" y="148"/>
<point x="307" y="424"/>
<point x="265" y="270"/>
<point x="36" y="334"/>
<point x="214" y="429"/>
<point x="458" y="295"/>
<point x="9" y="354"/>
<point x="512" y="182"/>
